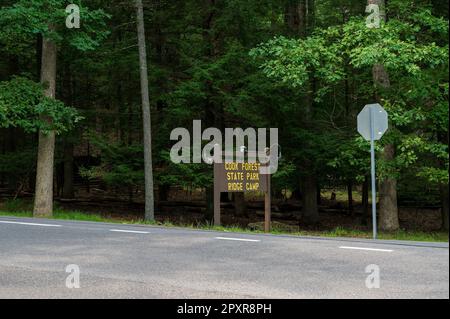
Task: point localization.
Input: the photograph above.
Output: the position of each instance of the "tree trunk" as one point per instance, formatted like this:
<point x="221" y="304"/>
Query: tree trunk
<point x="444" y="198"/>
<point x="388" y="196"/>
<point x="299" y="16"/>
<point x="11" y="146"/>
<point x="213" y="114"/>
<point x="350" y="197"/>
<point x="209" y="212"/>
<point x="298" y="21"/>
<point x="68" y="191"/>
<point x="310" y="183"/>
<point x="388" y="187"/>
<point x="443" y="187"/>
<point x="309" y="199"/>
<point x="43" y="202"/>
<point x="38" y="55"/>
<point x="319" y="197"/>
<point x="295" y="17"/>
<point x="365" y="202"/>
<point x="146" y="117"/>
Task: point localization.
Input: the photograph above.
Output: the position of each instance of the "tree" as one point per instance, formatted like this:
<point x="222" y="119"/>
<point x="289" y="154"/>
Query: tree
<point x="309" y="66"/>
<point x="25" y="104"/>
<point x="299" y="19"/>
<point x="310" y="77"/>
<point x="148" y="166"/>
<point x="46" y="18"/>
<point x="43" y="203"/>
<point x="353" y="52"/>
<point x="388" y="186"/>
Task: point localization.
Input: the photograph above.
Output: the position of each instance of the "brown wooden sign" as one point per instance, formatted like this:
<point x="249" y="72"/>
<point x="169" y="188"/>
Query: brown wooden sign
<point x="239" y="177"/>
<point x="234" y="177"/>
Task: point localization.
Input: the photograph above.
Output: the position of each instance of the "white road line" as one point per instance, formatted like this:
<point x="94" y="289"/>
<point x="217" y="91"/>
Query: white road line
<point x="129" y="231"/>
<point x="369" y="249"/>
<point x="29" y="224"/>
<point x="238" y="239"/>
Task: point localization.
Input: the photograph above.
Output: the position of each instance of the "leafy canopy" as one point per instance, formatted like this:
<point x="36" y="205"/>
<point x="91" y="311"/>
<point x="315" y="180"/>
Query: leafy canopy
<point x="24" y="19"/>
<point x="23" y="104"/>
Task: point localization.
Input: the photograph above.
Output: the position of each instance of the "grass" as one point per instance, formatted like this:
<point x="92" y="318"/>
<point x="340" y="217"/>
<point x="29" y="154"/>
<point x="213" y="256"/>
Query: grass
<point x="341" y="196"/>
<point x="351" y="233"/>
<point x="75" y="215"/>
<point x="397" y="235"/>
<point x="337" y="232"/>
<point x="19" y="208"/>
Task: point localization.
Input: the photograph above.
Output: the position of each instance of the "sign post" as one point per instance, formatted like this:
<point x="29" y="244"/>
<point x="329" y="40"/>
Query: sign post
<point x="373" y="175"/>
<point x="372" y="124"/>
<point x="241" y="177"/>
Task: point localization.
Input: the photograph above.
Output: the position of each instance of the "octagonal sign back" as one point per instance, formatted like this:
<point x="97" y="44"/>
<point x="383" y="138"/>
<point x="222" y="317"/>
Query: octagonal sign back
<point x="378" y="115"/>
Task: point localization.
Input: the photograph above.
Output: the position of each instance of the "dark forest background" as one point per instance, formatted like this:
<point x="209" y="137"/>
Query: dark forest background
<point x="307" y="67"/>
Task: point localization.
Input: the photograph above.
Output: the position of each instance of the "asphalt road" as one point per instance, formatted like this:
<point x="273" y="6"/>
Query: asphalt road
<point x="123" y="261"/>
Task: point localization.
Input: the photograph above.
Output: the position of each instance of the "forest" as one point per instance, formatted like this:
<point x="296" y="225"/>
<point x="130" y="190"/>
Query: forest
<point x="87" y="109"/>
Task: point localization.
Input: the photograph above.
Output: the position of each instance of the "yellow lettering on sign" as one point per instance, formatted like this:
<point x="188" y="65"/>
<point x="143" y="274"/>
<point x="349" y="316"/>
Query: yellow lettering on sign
<point x="250" y="166"/>
<point x="235" y="176"/>
<point x="231" y="166"/>
<point x="252" y="186"/>
<point x="242" y="177"/>
<point x="235" y="186"/>
<point x="252" y="176"/>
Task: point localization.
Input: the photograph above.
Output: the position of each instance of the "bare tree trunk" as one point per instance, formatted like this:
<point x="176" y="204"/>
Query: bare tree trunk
<point x="146" y="117"/>
<point x="309" y="180"/>
<point x="43" y="202"/>
<point x="209" y="212"/>
<point x="388" y="186"/>
<point x="309" y="200"/>
<point x="298" y="16"/>
<point x="443" y="187"/>
<point x="38" y="55"/>
<point x="295" y="17"/>
<point x="388" y="196"/>
<point x="350" y="197"/>
<point x="444" y="198"/>
<point x="213" y="114"/>
<point x="68" y="191"/>
<point x="299" y="20"/>
<point x="365" y="202"/>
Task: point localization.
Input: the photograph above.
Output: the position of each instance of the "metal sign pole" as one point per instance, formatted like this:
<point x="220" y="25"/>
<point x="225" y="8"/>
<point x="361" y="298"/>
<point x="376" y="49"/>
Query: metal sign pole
<point x="373" y="122"/>
<point x="372" y="160"/>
